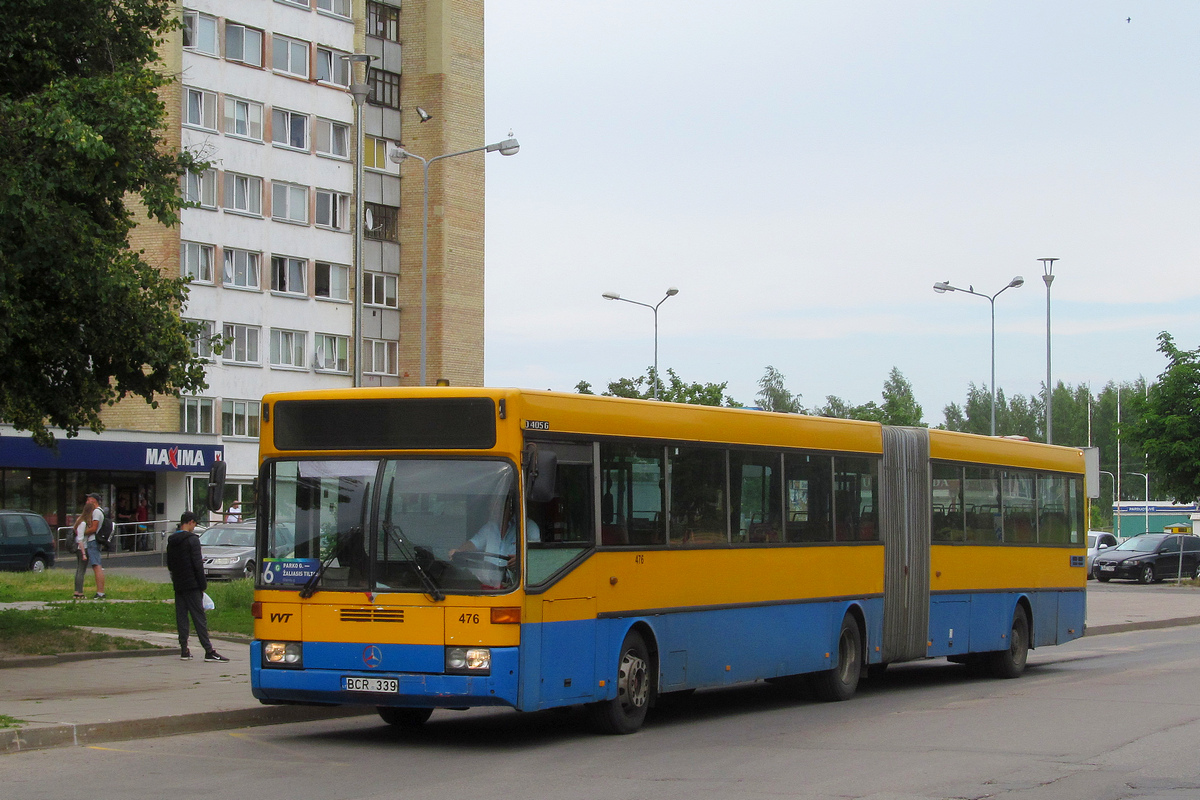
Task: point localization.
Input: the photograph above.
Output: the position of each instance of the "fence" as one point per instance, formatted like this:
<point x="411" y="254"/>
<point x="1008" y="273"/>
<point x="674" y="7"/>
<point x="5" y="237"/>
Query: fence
<point x="128" y="537"/>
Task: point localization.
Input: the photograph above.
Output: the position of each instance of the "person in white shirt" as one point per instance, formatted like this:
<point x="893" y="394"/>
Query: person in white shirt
<point x="490" y="540"/>
<point x="234" y="513"/>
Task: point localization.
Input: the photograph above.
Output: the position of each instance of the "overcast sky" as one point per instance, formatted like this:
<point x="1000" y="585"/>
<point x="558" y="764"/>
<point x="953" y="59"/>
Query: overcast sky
<point x="804" y="172"/>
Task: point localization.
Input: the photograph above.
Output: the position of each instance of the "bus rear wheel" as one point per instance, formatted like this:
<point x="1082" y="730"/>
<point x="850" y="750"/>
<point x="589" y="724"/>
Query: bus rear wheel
<point x="404" y="718"/>
<point x="626" y="712"/>
<point x="1010" y="663"/>
<point x="841" y="682"/>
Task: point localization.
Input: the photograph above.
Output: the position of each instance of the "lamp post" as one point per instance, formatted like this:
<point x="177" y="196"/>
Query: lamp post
<point x="1016" y="283"/>
<point x="1048" y="277"/>
<point x="508" y="147"/>
<point x="1146" y="508"/>
<point x="1116" y="508"/>
<point x="359" y="90"/>
<point x="670" y="293"/>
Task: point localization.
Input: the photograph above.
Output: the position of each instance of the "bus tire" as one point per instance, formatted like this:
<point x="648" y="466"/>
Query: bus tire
<point x="841" y="682"/>
<point x="404" y="718"/>
<point x="1010" y="663"/>
<point x="626" y="712"/>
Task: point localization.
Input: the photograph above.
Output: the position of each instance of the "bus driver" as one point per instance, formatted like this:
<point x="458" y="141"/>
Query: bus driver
<point x="489" y="540"/>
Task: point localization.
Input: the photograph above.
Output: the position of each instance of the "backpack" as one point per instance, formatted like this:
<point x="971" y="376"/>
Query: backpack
<point x="105" y="531"/>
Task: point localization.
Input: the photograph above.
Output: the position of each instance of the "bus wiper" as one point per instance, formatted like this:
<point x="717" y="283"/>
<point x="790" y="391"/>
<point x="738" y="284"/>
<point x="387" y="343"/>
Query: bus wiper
<point x="395" y="535"/>
<point x="310" y="586"/>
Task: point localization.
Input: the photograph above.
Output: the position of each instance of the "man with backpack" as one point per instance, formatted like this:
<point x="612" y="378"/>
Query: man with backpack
<point x="95" y="529"/>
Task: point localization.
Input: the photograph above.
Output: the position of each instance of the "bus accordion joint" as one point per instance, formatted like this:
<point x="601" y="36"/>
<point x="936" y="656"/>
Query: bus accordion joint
<point x="506" y="616"/>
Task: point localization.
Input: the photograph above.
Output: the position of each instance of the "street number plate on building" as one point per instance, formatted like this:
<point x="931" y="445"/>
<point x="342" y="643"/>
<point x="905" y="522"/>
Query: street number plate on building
<point x="376" y="685"/>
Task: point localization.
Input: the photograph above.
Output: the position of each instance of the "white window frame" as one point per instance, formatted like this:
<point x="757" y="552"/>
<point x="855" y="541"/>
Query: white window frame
<point x="243" y="194"/>
<point x="284" y="123"/>
<point x="381" y="357"/>
<point x="287" y="349"/>
<point x="294" y="54"/>
<point x="289" y="202"/>
<point x="199" y="109"/>
<point x="196" y="261"/>
<point x="244" y="418"/>
<point x="286" y="272"/>
<point x="331" y="353"/>
<point x="333" y="210"/>
<point x="243" y="113"/>
<point x="249" y="269"/>
<point x="200" y="187"/>
<point x="334" y="289"/>
<point x="243" y="44"/>
<point x="333" y="67"/>
<point x="202" y="343"/>
<point x="375" y="289"/>
<point x="203" y="30"/>
<point x="191" y="415"/>
<point x="242" y="344"/>
<point x="326" y="140"/>
<point x="338" y="8"/>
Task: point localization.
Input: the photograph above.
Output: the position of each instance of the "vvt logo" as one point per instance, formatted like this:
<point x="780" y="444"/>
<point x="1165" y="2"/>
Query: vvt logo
<point x="176" y="457"/>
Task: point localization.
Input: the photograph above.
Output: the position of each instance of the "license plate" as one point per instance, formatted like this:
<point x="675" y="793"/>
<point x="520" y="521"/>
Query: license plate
<point x="1108" y="568"/>
<point x="377" y="685"/>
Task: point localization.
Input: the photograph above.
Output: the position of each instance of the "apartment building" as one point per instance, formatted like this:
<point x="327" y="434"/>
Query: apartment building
<point x="264" y="95"/>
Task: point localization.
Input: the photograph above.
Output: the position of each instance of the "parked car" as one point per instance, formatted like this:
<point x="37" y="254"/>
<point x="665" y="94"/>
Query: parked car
<point x="1097" y="541"/>
<point x="228" y="549"/>
<point x="26" y="541"/>
<point x="1149" y="558"/>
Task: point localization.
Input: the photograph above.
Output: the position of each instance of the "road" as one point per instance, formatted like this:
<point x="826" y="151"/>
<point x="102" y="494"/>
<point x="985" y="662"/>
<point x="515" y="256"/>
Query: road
<point x="1103" y="718"/>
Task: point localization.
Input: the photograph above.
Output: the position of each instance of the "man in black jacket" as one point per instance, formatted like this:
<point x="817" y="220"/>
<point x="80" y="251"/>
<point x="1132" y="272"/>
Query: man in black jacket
<point x="186" y="563"/>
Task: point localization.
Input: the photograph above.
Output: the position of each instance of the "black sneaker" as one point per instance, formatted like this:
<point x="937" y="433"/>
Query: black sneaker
<point x="98" y="596"/>
<point x="185" y="656"/>
<point x="214" y="656"/>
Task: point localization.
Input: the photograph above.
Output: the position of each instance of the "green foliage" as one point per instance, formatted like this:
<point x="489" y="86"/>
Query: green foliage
<point x="583" y="387"/>
<point x="899" y="407"/>
<point x="675" y="390"/>
<point x="85" y="320"/>
<point x="41" y="633"/>
<point x="1169" y="426"/>
<point x="774" y="396"/>
<point x="58" y="584"/>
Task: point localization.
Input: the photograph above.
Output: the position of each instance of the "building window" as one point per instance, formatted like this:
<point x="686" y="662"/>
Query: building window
<point x="289" y="202"/>
<point x="384" y="88"/>
<point x="196" y="262"/>
<point x="200" y="32"/>
<point x="333" y="138"/>
<point x="383" y="21"/>
<point x="200" y="109"/>
<point x="289" y="56"/>
<point x="202" y="341"/>
<point x="241" y="268"/>
<point x="380" y="357"/>
<point x="200" y="188"/>
<point x="330" y="352"/>
<point x="196" y="414"/>
<point x="243" y="193"/>
<point x="289" y="129"/>
<point x="379" y="289"/>
<point x="241" y="344"/>
<point x="380" y="222"/>
<point x="243" y="118"/>
<point x="332" y="281"/>
<point x="239" y="418"/>
<point x="339" y="7"/>
<point x="288" y="274"/>
<point x="301" y="3"/>
<point x="243" y="44"/>
<point x="375" y="152"/>
<point x="333" y="210"/>
<point x="333" y="67"/>
<point x="287" y="348"/>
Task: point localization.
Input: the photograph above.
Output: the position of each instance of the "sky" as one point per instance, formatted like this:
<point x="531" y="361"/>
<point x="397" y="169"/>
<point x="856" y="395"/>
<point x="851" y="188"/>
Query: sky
<point x="804" y="172"/>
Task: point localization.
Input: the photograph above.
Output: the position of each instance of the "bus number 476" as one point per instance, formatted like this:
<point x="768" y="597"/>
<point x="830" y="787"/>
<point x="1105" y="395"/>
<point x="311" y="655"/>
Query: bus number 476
<point x="471" y="619"/>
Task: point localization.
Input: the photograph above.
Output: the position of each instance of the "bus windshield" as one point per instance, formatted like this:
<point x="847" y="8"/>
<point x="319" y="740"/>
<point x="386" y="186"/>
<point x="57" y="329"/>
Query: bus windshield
<point x="406" y="525"/>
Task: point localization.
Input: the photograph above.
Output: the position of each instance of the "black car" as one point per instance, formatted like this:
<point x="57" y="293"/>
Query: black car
<point x="1149" y="558"/>
<point x="26" y="541"/>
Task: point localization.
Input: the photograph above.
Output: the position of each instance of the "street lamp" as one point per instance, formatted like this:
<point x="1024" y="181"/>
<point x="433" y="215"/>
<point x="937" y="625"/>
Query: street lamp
<point x="1048" y="277"/>
<point x="508" y="147"/>
<point x="670" y="293"/>
<point x="1146" y="509"/>
<point x="1116" y="507"/>
<point x="1016" y="283"/>
<point x="359" y="90"/>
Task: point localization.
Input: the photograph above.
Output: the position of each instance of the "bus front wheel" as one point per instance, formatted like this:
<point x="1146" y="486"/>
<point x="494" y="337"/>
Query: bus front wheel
<point x="841" y="682"/>
<point x="626" y="712"/>
<point x="404" y="717"/>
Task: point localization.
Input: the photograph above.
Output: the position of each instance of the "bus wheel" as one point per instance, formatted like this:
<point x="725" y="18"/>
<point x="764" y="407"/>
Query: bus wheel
<point x="404" y="717"/>
<point x="626" y="712"/>
<point x="1010" y="663"/>
<point x="841" y="682"/>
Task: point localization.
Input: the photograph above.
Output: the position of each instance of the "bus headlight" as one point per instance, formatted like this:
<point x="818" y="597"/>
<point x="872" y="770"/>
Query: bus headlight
<point x="469" y="660"/>
<point x="283" y="654"/>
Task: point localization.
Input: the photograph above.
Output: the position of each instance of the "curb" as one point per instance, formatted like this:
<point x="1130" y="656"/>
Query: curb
<point x="1145" y="625"/>
<point x="41" y="737"/>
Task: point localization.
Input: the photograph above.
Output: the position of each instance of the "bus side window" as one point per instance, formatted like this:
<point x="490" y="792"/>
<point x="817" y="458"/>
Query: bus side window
<point x="632" y="501"/>
<point x="567" y="517"/>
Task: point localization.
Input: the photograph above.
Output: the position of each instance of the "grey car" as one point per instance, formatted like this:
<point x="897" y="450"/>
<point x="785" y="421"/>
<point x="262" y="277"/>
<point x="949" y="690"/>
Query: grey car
<point x="26" y="541"/>
<point x="228" y="550"/>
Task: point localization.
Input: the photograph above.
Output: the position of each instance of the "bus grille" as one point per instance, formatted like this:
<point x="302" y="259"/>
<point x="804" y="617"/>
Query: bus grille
<point x="372" y="615"/>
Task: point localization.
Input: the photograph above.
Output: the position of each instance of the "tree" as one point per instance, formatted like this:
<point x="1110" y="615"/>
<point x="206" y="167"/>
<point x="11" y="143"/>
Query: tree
<point x="84" y="319"/>
<point x="1169" y="427"/>
<point x="774" y="396"/>
<point x="900" y="406"/>
<point x="673" y="390"/>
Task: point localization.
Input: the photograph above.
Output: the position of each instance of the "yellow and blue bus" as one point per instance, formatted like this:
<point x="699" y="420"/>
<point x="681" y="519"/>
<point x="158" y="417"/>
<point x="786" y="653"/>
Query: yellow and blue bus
<point x="459" y="547"/>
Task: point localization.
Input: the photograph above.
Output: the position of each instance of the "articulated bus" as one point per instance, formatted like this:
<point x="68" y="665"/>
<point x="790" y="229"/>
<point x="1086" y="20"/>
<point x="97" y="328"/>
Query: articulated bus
<point x="458" y="547"/>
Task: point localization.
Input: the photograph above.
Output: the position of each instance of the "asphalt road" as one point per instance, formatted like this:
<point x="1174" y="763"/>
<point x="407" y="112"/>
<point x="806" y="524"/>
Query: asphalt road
<point x="1102" y="718"/>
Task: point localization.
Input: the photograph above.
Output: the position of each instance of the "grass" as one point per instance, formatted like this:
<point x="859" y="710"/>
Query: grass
<point x="10" y="722"/>
<point x="59" y="584"/>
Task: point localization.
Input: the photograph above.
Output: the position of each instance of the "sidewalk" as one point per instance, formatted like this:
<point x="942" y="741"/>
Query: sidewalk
<point x="82" y="699"/>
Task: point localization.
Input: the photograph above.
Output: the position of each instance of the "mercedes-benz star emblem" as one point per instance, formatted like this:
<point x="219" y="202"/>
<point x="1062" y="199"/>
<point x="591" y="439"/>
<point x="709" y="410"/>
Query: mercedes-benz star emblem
<point x="372" y="656"/>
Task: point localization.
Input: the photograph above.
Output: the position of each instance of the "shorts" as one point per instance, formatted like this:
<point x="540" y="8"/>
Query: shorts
<point x="93" y="553"/>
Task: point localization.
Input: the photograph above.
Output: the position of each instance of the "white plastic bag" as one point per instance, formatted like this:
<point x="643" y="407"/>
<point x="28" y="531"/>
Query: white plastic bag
<point x="208" y="604"/>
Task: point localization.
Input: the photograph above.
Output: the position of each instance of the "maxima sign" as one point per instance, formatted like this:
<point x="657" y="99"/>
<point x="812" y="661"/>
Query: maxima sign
<point x="21" y="452"/>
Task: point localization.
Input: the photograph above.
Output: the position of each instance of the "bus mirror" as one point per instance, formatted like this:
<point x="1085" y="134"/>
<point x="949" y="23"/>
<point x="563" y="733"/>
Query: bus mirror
<point x="541" y="469"/>
<point x="216" y="486"/>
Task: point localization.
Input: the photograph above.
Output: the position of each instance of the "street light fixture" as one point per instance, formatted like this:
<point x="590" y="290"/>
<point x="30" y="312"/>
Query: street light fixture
<point x="359" y="90"/>
<point x="508" y="147"/>
<point x="1048" y="277"/>
<point x="1016" y="283"/>
<point x="670" y="293"/>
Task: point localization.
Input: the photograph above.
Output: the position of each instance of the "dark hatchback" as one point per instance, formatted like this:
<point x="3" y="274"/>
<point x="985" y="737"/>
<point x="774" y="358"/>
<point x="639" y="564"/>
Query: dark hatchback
<point x="26" y="541"/>
<point x="1149" y="558"/>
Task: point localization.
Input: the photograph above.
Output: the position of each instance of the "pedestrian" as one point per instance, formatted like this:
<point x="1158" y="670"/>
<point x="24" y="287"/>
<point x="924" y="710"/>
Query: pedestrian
<point x="234" y="513"/>
<point x="95" y="517"/>
<point x="186" y="564"/>
<point x="79" y="533"/>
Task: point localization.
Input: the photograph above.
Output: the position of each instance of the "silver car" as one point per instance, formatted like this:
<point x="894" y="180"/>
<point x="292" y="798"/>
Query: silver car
<point x="228" y="550"/>
<point x="1097" y="541"/>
